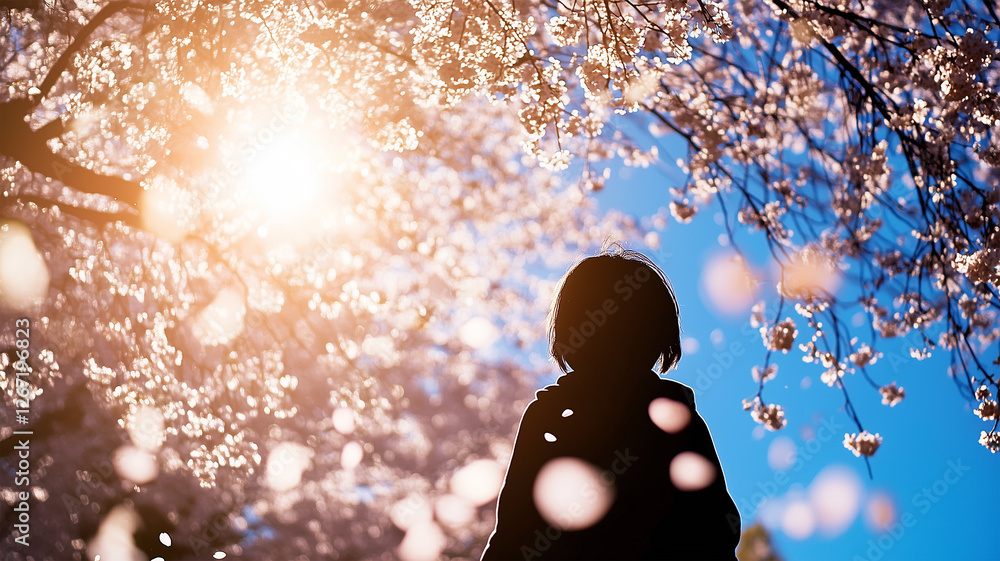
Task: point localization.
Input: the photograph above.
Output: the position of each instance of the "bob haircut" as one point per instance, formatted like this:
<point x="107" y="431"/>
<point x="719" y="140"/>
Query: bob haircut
<point x="612" y="307"/>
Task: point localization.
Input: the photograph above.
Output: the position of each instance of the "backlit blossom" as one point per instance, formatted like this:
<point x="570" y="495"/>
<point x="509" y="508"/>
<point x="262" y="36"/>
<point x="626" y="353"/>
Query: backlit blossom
<point x="831" y="375"/>
<point x="781" y="337"/>
<point x="987" y="410"/>
<point x="862" y="444"/>
<point x="764" y="374"/>
<point x="864" y="356"/>
<point x="682" y="211"/>
<point x="991" y="440"/>
<point x="892" y="394"/>
<point x="983" y="392"/>
<point x="771" y="416"/>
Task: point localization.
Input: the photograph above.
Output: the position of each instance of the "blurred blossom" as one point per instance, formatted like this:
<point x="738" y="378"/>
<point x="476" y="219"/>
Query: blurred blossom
<point x="478" y="333"/>
<point x="343" y="420"/>
<point x="652" y="240"/>
<point x="781" y="336"/>
<point x="197" y="98"/>
<point x="222" y="320"/>
<point x="729" y="284"/>
<point x="135" y="464"/>
<point x="987" y="410"/>
<point x="764" y="374"/>
<point x="570" y="494"/>
<point x="835" y="495"/>
<point x="453" y="510"/>
<point x="718" y="337"/>
<point x="422" y="542"/>
<point x="798" y="520"/>
<point x="382" y="349"/>
<point x="412" y="510"/>
<point x="682" y="211"/>
<point x="351" y="455"/>
<point x="991" y="440"/>
<point x="771" y="510"/>
<point x="166" y="209"/>
<point x="24" y="277"/>
<point x="146" y="428"/>
<point x="892" y="394"/>
<point x="690" y="346"/>
<point x="782" y="453"/>
<point x="285" y="465"/>
<point x="880" y="511"/>
<point x="811" y="272"/>
<point x="983" y="392"/>
<point x="690" y="471"/>
<point x="478" y="482"/>
<point x="671" y="416"/>
<point x="114" y="540"/>
<point x="864" y="356"/>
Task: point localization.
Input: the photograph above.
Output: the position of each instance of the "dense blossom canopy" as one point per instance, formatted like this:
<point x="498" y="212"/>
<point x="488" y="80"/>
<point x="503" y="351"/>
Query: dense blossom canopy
<point x="264" y="245"/>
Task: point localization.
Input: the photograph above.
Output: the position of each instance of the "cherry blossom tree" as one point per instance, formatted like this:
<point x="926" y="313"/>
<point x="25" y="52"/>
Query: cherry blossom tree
<point x="265" y="247"/>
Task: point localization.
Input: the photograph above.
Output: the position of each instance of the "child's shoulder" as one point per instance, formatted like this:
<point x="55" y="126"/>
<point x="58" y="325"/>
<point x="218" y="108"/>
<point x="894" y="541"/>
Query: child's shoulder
<point x="675" y="391"/>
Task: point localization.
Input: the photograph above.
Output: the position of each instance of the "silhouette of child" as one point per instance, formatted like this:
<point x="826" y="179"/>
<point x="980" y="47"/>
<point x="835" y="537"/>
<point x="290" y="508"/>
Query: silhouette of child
<point x="613" y="462"/>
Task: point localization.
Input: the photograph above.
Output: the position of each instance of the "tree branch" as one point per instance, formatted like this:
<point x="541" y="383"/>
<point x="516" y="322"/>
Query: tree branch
<point x="28" y="147"/>
<point x="81" y="38"/>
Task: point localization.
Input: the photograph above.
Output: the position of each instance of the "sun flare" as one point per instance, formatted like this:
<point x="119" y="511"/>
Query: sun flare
<point x="283" y="179"/>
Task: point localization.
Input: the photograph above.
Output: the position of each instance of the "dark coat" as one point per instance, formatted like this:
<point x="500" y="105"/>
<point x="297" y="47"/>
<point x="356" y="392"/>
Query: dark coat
<point x="610" y="428"/>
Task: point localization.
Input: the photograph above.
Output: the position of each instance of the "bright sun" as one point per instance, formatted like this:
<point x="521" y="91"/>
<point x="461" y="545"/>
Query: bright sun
<point x="283" y="181"/>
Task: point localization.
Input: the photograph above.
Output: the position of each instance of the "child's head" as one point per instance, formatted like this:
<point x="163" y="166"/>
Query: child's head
<point x="616" y="307"/>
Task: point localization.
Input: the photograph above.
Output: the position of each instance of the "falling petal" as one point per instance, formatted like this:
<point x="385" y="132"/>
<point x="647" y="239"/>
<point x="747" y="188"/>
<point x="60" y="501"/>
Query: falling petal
<point x="412" y="510"/>
<point x="782" y="453"/>
<point x="798" y="521"/>
<point x="835" y="495"/>
<point x="478" y="482"/>
<point x="571" y="494"/>
<point x="690" y="471"/>
<point x="453" y="510"/>
<point x="351" y="455"/>
<point x="669" y="415"/>
<point x="479" y="333"/>
<point x="422" y="542"/>
<point x="343" y="420"/>
<point x="24" y="277"/>
<point x="135" y="464"/>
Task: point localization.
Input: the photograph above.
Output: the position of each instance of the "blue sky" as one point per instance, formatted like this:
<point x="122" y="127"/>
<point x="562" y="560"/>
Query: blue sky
<point x="935" y="490"/>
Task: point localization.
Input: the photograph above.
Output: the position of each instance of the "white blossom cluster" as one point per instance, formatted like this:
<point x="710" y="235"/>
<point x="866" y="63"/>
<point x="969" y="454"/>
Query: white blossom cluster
<point x="863" y="443"/>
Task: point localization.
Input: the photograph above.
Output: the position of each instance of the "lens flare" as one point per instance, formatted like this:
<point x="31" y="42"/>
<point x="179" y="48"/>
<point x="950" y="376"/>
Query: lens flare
<point x="284" y="184"/>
